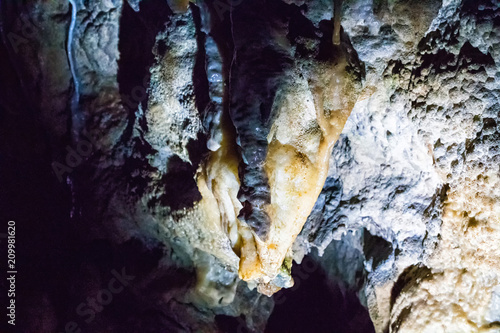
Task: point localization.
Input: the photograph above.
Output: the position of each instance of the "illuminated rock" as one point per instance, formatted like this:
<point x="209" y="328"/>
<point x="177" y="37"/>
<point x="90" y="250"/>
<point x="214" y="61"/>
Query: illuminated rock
<point x="231" y="138"/>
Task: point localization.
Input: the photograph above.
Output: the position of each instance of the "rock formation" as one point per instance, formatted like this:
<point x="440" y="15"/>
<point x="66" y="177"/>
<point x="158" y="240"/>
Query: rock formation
<point x="215" y="148"/>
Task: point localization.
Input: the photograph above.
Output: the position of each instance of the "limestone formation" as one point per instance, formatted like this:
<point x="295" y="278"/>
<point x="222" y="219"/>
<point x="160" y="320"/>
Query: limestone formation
<point x="216" y="144"/>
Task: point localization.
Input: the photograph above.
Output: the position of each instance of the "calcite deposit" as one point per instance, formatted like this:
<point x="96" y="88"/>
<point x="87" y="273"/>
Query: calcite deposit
<point x="214" y="148"/>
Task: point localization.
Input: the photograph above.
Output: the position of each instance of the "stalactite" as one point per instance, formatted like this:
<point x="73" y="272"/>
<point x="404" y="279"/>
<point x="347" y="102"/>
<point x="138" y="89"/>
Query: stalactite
<point x="277" y="174"/>
<point x="337" y="11"/>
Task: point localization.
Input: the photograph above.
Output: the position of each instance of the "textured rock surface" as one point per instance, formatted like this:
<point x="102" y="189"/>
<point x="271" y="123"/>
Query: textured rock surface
<point x="416" y="173"/>
<point x="183" y="103"/>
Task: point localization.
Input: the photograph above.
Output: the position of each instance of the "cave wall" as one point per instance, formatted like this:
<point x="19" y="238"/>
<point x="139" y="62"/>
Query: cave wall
<point x="145" y="93"/>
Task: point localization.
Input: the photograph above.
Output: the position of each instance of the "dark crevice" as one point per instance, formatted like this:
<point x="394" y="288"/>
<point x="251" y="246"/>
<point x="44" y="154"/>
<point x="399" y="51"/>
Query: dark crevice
<point x="138" y="31"/>
<point x="300" y="26"/>
<point x="180" y="189"/>
<point x="317" y="304"/>
<point x="403" y="315"/>
<point x="471" y="55"/>
<point x="200" y="79"/>
<point x="376" y="248"/>
<point x="443" y="61"/>
<point x="153" y="320"/>
<point x="228" y="324"/>
<point x="409" y="278"/>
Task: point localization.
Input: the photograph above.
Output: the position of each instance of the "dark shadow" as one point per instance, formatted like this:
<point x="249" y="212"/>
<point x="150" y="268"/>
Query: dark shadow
<point x="318" y="305"/>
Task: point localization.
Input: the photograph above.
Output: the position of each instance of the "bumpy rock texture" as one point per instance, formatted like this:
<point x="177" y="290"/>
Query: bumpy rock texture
<point x="413" y="191"/>
<point x="194" y="140"/>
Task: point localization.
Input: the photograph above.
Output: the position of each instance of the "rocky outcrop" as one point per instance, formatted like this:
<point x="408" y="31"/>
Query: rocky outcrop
<point x="424" y="266"/>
